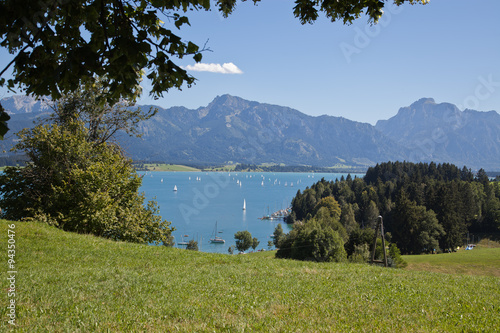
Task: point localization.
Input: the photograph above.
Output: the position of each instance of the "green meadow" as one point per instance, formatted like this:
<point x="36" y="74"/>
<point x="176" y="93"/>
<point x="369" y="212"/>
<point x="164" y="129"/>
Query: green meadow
<point x="67" y="282"/>
<point x="483" y="260"/>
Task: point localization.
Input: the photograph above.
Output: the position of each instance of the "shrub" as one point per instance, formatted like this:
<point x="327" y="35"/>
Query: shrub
<point x="312" y="241"/>
<point x="395" y="257"/>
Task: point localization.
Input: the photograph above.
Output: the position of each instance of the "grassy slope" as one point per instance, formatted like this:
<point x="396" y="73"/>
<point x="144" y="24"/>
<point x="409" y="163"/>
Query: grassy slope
<point x="69" y="282"/>
<point x="480" y="261"/>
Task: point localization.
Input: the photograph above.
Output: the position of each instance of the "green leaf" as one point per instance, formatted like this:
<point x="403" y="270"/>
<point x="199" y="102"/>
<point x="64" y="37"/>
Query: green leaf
<point x="4" y="117"/>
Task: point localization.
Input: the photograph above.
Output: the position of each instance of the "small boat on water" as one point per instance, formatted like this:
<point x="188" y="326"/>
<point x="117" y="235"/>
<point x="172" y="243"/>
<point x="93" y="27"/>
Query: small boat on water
<point x="244" y="204"/>
<point x="175" y="188"/>
<point x="217" y="239"/>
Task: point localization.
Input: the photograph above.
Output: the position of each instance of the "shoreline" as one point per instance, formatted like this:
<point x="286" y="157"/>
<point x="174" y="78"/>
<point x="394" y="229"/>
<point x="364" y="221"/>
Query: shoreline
<point x="163" y="167"/>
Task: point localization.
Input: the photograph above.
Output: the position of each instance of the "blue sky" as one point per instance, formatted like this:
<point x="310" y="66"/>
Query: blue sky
<point x="447" y="49"/>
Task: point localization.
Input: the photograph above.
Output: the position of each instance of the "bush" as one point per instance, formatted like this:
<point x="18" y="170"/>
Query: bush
<point x="395" y="257"/>
<point x="312" y="241"/>
<point x="192" y="245"/>
<point x="361" y="254"/>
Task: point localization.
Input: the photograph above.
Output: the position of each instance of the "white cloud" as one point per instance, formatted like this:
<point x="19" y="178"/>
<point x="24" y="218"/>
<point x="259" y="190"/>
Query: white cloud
<point x="226" y="68"/>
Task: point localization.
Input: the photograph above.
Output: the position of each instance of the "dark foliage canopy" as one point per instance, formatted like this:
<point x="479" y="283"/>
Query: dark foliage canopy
<point x="425" y="206"/>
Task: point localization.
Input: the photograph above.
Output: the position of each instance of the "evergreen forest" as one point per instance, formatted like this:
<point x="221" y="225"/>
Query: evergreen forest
<point x="425" y="207"/>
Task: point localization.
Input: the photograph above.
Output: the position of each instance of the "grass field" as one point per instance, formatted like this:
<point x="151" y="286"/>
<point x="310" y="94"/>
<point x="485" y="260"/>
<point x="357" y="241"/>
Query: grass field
<point x="78" y="283"/>
<point x="482" y="260"/>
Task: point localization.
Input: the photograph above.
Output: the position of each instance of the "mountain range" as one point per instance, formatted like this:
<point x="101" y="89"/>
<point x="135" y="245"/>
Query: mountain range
<point x="232" y="129"/>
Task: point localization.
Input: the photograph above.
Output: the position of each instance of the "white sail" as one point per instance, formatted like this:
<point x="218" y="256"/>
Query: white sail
<point x="244" y="204"/>
<point x="175" y="188"/>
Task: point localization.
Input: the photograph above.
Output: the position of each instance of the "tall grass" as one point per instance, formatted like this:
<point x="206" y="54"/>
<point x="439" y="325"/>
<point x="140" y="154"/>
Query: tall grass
<point x="69" y="282"/>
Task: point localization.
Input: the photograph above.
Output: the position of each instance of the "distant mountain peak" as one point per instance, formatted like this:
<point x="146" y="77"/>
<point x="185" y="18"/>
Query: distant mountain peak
<point x="440" y="132"/>
<point x="428" y="107"/>
<point x="422" y="101"/>
<point x="221" y="104"/>
<point x="228" y="100"/>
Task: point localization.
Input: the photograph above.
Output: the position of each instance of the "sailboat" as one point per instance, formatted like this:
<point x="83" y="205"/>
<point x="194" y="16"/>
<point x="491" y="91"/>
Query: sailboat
<point x="216" y="238"/>
<point x="175" y="188"/>
<point x="244" y="205"/>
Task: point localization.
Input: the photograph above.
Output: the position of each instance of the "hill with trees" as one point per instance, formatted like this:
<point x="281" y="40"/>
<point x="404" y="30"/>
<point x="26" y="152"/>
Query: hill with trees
<point x="426" y="207"/>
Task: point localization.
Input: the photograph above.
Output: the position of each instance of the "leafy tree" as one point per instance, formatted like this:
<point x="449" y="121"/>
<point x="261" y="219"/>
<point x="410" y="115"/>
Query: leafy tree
<point x="80" y="182"/>
<point x="417" y="229"/>
<point x="192" y="245"/>
<point x="270" y="245"/>
<point x="102" y="119"/>
<point x="231" y="249"/>
<point x="324" y="218"/>
<point x="331" y="205"/>
<point x="255" y="243"/>
<point x="307" y="10"/>
<point x="357" y="238"/>
<point x="278" y="234"/>
<point x="347" y="219"/>
<point x="79" y="187"/>
<point x="243" y="240"/>
<point x="59" y="44"/>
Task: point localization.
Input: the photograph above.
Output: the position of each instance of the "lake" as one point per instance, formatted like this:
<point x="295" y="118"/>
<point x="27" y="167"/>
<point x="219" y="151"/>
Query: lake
<point x="203" y="200"/>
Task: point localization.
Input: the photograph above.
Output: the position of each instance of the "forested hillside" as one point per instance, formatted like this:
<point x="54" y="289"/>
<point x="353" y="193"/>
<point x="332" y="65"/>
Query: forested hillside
<point x="425" y="207"/>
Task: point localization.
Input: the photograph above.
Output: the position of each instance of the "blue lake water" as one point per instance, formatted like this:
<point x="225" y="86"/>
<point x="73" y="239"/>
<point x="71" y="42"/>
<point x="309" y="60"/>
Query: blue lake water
<point x="204" y="199"/>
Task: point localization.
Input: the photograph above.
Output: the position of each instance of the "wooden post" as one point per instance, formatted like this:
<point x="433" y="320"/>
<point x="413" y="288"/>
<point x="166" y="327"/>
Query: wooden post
<point x="380" y="226"/>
